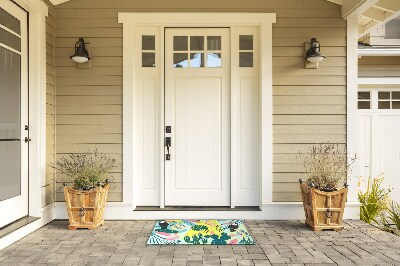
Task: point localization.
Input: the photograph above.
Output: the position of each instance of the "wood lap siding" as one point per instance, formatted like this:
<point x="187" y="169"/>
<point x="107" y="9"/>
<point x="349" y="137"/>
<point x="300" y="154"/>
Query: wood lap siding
<point x="48" y="188"/>
<point x="309" y="104"/>
<point x="379" y="66"/>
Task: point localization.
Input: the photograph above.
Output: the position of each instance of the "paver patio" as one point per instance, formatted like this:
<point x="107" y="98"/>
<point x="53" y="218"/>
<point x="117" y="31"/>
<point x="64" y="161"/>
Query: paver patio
<point x="278" y="243"/>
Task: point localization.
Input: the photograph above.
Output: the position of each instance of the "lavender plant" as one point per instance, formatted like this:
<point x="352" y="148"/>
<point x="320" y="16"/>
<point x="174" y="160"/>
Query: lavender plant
<point x="86" y="170"/>
<point x="325" y="166"/>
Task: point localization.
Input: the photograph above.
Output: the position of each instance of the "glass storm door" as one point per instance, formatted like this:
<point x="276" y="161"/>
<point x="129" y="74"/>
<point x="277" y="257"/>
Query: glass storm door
<point x="13" y="113"/>
<point x="197" y="107"/>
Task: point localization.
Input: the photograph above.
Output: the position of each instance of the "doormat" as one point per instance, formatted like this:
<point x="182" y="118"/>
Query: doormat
<point x="200" y="232"/>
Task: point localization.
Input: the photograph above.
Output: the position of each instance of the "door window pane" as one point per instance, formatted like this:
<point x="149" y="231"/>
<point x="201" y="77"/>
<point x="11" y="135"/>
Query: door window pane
<point x="10" y="124"/>
<point x="7" y="20"/>
<point x="384" y="105"/>
<point x="214" y="60"/>
<point x="246" y="42"/>
<point x="180" y="43"/>
<point x="197" y="60"/>
<point x="396" y="95"/>
<point x="364" y="105"/>
<point x="364" y="95"/>
<point x="197" y="43"/>
<point x="10" y="39"/>
<point x="148" y="59"/>
<point x="180" y="60"/>
<point x="245" y="59"/>
<point x="396" y="105"/>
<point x="148" y="42"/>
<point x="384" y="95"/>
<point x="214" y="43"/>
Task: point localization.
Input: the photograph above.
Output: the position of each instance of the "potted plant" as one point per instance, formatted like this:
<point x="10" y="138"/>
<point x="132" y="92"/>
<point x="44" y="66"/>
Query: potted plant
<point x="86" y="198"/>
<point x="324" y="192"/>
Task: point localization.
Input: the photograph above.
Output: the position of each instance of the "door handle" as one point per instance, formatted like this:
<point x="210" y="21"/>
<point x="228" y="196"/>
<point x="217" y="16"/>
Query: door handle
<point x="168" y="144"/>
<point x="27" y="139"/>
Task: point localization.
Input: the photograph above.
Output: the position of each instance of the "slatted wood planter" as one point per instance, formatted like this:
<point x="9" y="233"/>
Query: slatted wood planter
<point x="85" y="207"/>
<point x="323" y="210"/>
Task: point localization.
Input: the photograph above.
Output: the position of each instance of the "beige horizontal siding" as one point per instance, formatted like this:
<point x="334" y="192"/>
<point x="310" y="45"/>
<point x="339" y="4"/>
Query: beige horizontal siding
<point x="309" y="104"/>
<point x="379" y="66"/>
<point x="49" y="184"/>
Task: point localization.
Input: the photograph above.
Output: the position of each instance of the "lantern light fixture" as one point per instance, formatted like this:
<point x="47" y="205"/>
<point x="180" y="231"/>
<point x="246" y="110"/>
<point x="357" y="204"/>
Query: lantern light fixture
<point x="313" y="54"/>
<point x="81" y="54"/>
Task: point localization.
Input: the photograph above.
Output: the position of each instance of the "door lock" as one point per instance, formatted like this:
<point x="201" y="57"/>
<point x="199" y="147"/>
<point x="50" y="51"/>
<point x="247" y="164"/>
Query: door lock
<point x="168" y="144"/>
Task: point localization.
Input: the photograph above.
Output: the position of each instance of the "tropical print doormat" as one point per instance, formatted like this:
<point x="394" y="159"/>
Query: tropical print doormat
<point x="200" y="232"/>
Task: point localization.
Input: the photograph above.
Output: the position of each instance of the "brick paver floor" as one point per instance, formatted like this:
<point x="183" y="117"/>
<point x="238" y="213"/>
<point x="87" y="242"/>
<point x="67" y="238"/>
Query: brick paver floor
<point x="278" y="243"/>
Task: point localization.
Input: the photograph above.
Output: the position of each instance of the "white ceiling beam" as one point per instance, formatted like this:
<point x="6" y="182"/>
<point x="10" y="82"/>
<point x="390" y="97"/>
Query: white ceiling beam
<point x="389" y="5"/>
<point x="375" y="14"/>
<point x="354" y="8"/>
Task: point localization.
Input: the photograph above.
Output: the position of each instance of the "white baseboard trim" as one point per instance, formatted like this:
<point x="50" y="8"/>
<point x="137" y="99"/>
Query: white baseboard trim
<point x="270" y="211"/>
<point x="47" y="216"/>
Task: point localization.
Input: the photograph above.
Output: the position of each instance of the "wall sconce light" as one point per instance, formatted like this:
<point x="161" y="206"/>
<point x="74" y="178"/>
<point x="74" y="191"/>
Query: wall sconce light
<point x="81" y="54"/>
<point x="313" y="55"/>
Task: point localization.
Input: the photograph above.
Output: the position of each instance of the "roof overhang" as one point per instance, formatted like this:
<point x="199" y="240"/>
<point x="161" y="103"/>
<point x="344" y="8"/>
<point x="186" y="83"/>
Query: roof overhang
<point x="371" y="13"/>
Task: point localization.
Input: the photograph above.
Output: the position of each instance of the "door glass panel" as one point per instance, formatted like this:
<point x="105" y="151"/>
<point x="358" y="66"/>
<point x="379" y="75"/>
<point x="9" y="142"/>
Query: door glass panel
<point x="180" y="43"/>
<point x="246" y="59"/>
<point x="197" y="60"/>
<point x="197" y="43"/>
<point x="10" y="121"/>
<point x="214" y="60"/>
<point x="396" y="105"/>
<point x="384" y="95"/>
<point x="384" y="105"/>
<point x="7" y="20"/>
<point x="148" y="42"/>
<point x="148" y="59"/>
<point x="396" y="95"/>
<point x="364" y="95"/>
<point x="364" y="105"/>
<point x="246" y="42"/>
<point x="214" y="43"/>
<point x="180" y="60"/>
<point x="10" y="39"/>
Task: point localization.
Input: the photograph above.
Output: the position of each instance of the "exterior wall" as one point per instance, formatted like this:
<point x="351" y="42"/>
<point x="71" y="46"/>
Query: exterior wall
<point x="379" y="66"/>
<point x="50" y="107"/>
<point x="309" y="104"/>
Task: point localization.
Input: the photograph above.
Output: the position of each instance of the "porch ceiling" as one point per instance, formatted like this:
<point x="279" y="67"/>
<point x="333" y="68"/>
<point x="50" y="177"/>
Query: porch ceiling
<point x="371" y="13"/>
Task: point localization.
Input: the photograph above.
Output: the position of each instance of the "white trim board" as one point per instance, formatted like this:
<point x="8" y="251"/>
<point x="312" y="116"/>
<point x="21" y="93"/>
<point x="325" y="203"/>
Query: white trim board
<point x="270" y="211"/>
<point x="379" y="80"/>
<point x="132" y="124"/>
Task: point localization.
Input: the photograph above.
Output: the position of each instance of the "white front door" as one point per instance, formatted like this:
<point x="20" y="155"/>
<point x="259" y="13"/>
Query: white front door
<point x="13" y="113"/>
<point x="197" y="108"/>
<point x="378" y="135"/>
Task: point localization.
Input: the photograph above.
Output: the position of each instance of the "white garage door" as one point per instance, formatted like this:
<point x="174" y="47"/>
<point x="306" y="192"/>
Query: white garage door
<point x="379" y="136"/>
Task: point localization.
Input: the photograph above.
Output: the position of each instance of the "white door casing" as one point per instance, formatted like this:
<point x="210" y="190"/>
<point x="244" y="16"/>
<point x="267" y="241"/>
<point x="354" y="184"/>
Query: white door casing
<point x="197" y="106"/>
<point x="141" y="114"/>
<point x="379" y="142"/>
<point x="17" y="206"/>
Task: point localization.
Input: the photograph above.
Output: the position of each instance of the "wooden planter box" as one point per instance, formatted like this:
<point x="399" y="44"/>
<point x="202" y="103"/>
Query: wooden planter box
<point x="85" y="207"/>
<point x="323" y="210"/>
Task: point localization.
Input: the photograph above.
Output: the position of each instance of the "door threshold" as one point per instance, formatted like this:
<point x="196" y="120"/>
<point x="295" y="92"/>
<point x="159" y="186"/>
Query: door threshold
<point x="8" y="229"/>
<point x="196" y="208"/>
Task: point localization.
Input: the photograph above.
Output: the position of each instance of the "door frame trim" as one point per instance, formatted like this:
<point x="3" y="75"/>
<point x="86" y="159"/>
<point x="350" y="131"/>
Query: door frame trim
<point x="131" y="124"/>
<point x="37" y="12"/>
